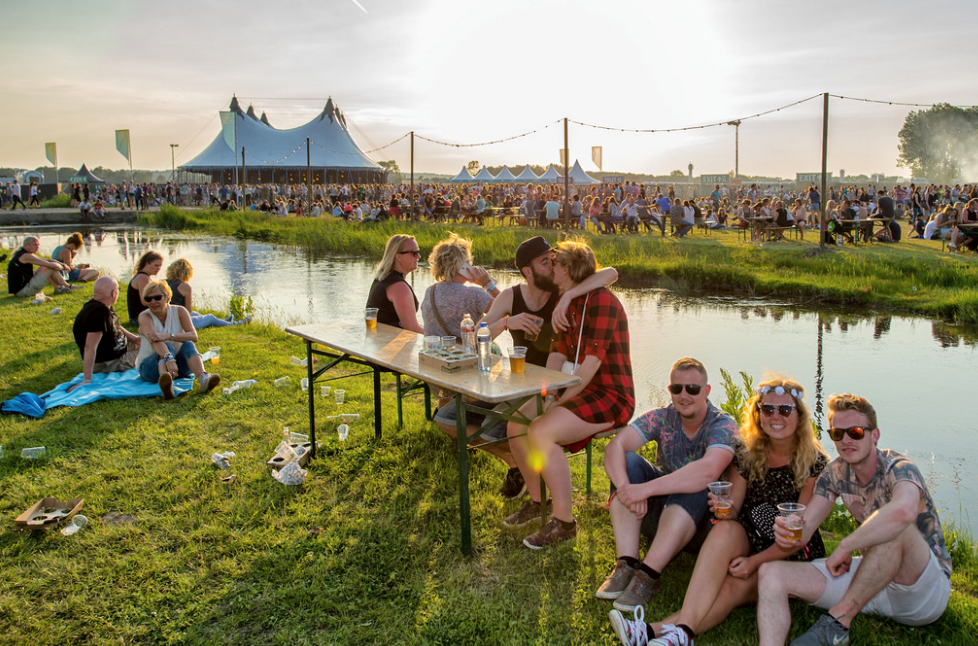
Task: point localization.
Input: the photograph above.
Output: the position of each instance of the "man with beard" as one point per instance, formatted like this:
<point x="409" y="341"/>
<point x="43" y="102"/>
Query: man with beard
<point x="529" y="312"/>
<point x="695" y="443"/>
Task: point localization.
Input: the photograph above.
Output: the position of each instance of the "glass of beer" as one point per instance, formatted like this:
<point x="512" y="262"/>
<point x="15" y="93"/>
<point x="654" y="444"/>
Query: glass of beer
<point x="517" y="359"/>
<point x="370" y="316"/>
<point x="793" y="512"/>
<point x="533" y="337"/>
<point x="722" y="504"/>
<point x="215" y="355"/>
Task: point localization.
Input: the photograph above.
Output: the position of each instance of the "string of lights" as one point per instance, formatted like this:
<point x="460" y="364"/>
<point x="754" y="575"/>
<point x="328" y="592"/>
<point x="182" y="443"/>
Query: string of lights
<point x="700" y="127"/>
<point x="373" y="150"/>
<point x="487" y="143"/>
<point x="900" y="103"/>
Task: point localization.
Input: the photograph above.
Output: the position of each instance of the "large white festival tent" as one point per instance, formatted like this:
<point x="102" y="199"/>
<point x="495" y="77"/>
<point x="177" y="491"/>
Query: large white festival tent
<point x="483" y="175"/>
<point x="527" y="175"/>
<point x="273" y="155"/>
<point x="463" y="176"/>
<point x="578" y="177"/>
<point x="505" y="175"/>
<point x="551" y="176"/>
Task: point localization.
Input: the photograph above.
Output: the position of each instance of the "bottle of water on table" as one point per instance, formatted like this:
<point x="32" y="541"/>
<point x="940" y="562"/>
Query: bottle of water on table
<point x="468" y="334"/>
<point x="484" y="343"/>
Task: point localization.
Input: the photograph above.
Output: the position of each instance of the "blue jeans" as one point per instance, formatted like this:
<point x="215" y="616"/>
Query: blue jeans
<point x="696" y="504"/>
<point x="149" y="368"/>
<point x="201" y="321"/>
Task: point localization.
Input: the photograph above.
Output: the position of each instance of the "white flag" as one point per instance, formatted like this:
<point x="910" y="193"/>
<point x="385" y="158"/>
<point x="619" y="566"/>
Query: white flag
<point x="596" y="156"/>
<point x="122" y="143"/>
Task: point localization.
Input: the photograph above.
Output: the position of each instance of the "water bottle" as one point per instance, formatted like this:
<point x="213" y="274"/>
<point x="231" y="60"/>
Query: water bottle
<point x="484" y="340"/>
<point x="245" y="384"/>
<point x="468" y="334"/>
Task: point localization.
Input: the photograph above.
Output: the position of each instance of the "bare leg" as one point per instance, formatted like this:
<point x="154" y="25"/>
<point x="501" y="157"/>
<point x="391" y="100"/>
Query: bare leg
<point x="675" y="530"/>
<point x="776" y="582"/>
<point x="520" y="448"/>
<point x="196" y="365"/>
<point x="627" y="529"/>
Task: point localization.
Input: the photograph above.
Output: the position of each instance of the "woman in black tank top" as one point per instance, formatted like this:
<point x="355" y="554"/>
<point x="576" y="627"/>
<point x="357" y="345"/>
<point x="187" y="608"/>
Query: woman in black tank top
<point x="148" y="265"/>
<point x="390" y="293"/>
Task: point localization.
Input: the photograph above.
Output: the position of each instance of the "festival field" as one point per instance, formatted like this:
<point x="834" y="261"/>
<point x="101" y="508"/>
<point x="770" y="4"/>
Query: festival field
<point x="367" y="551"/>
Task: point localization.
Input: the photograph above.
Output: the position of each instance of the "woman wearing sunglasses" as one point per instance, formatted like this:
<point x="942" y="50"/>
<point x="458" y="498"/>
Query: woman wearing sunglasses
<point x="392" y="296"/>
<point x="778" y="460"/>
<point x="166" y="345"/>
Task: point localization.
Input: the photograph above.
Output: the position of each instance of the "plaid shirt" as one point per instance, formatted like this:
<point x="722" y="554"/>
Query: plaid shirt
<point x="605" y="337"/>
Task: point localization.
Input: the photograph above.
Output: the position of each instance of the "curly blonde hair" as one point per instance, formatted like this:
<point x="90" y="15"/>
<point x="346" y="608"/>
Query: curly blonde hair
<point x="805" y="447"/>
<point x="448" y="257"/>
<point x="180" y="269"/>
<point x="578" y="258"/>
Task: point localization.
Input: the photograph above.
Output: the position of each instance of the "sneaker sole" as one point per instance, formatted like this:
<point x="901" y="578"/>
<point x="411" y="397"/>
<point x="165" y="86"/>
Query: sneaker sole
<point x="608" y="596"/>
<point x="618" y="625"/>
<point x="626" y="608"/>
<point x="166" y="386"/>
<point x="531" y="545"/>
<point x="214" y="382"/>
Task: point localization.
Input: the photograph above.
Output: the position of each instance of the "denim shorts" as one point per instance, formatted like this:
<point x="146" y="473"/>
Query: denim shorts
<point x="696" y="504"/>
<point x="149" y="368"/>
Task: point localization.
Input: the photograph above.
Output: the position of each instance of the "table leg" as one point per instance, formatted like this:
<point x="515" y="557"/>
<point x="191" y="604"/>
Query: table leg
<point x="463" y="474"/>
<point x="543" y="483"/>
<point x="377" y="412"/>
<point x="312" y="401"/>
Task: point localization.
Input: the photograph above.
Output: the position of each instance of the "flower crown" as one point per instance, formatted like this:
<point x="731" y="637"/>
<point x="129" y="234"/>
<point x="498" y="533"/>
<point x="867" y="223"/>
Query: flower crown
<point x="780" y="390"/>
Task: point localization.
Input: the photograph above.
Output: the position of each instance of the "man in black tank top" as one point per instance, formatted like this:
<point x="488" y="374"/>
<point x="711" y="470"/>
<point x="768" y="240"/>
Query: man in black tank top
<point x="528" y="312"/>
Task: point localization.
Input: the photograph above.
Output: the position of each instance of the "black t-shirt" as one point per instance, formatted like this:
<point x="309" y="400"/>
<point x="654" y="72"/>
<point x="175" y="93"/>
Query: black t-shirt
<point x="99" y="317"/>
<point x="18" y="274"/>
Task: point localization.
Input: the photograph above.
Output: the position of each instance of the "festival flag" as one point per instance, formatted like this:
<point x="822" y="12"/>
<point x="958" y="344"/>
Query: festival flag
<point x="122" y="143"/>
<point x="227" y="129"/>
<point x="51" y="152"/>
<point x="596" y="156"/>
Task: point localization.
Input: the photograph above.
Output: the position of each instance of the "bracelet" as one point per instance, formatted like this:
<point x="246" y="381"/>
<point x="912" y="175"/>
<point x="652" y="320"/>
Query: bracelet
<point x="505" y="322"/>
<point x="490" y="285"/>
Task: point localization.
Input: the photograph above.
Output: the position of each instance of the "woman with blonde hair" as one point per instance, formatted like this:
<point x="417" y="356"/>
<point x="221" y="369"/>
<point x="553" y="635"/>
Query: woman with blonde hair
<point x="66" y="253"/>
<point x="595" y="347"/>
<point x="779" y="460"/>
<point x="178" y="275"/>
<point x="390" y="293"/>
<point x="166" y="343"/>
<point x="447" y="302"/>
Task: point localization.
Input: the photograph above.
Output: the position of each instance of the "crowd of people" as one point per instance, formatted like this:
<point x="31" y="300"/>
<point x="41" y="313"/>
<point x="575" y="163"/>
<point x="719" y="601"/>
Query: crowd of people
<point x="569" y="320"/>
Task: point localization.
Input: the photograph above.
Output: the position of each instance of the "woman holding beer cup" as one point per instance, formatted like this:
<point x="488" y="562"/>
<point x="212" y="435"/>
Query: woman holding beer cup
<point x="778" y="461"/>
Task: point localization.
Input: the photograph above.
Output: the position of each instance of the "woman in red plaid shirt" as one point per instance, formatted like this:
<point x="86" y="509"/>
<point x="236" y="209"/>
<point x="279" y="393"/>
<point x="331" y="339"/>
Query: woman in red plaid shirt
<point x="596" y="346"/>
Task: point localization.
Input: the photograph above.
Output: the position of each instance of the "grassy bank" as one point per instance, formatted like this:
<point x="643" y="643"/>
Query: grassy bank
<point x="913" y="275"/>
<point x="366" y="552"/>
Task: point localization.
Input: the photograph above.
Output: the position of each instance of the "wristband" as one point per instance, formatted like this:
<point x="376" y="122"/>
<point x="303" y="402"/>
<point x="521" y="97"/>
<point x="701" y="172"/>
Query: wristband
<point x="505" y="322"/>
<point x="490" y="285"/>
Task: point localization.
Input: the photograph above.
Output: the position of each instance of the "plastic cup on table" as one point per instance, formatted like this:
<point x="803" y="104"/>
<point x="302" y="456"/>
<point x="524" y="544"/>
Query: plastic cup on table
<point x="432" y="343"/>
<point x="370" y="317"/>
<point x="517" y="359"/>
<point x="448" y="342"/>
<point x="793" y="512"/>
<point x="340" y="395"/>
<point x="721" y="498"/>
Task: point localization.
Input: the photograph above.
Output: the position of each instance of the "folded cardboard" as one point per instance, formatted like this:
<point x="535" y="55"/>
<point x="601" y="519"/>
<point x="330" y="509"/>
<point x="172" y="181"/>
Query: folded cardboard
<point x="48" y="512"/>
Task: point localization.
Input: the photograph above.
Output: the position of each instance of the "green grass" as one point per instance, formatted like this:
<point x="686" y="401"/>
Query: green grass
<point x="912" y="276"/>
<point x="366" y="552"/>
<point x="59" y="201"/>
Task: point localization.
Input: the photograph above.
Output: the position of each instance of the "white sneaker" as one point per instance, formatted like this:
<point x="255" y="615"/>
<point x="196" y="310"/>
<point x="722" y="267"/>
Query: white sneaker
<point x="209" y="382"/>
<point x="672" y="636"/>
<point x="631" y="632"/>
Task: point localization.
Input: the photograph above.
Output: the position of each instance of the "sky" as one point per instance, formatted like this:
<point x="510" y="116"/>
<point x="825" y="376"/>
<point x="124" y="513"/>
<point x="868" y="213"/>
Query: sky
<point x="473" y="71"/>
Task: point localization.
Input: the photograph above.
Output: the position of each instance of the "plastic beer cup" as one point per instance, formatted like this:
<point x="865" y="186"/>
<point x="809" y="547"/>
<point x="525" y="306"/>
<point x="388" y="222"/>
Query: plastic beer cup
<point x="793" y="512"/>
<point x="722" y="504"/>
<point x="370" y="317"/>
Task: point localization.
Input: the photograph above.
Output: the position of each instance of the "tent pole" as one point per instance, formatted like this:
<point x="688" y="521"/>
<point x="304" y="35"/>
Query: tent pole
<point x="308" y="178"/>
<point x="244" y="167"/>
<point x="566" y="180"/>
<point x="825" y="153"/>
<point x="411" y="197"/>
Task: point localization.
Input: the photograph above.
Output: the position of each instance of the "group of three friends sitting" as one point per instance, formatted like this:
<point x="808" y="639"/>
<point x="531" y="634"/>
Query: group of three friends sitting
<point x="774" y="457"/>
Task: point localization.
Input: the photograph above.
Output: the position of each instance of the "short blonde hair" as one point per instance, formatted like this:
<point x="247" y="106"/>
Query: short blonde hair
<point x="578" y="258"/>
<point x="848" y="401"/>
<point x="448" y="257"/>
<point x="155" y="285"/>
<point x="689" y="363"/>
<point x="180" y="269"/>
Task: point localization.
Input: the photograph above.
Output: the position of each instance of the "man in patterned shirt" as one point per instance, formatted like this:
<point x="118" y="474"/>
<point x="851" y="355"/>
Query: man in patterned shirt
<point x="694" y="445"/>
<point x="905" y="569"/>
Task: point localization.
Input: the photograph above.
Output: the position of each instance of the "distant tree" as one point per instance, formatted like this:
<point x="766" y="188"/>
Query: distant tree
<point x="473" y="166"/>
<point x="677" y="173"/>
<point x="390" y="166"/>
<point x="940" y="143"/>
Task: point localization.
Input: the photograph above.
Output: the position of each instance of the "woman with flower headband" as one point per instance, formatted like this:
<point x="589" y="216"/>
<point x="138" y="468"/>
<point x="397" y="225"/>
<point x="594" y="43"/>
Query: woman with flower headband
<point x="778" y="461"/>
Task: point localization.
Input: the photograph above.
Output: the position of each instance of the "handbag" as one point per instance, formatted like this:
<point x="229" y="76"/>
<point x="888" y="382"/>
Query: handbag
<point x="570" y="367"/>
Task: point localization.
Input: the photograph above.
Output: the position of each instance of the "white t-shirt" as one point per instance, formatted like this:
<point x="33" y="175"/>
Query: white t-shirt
<point x="930" y="230"/>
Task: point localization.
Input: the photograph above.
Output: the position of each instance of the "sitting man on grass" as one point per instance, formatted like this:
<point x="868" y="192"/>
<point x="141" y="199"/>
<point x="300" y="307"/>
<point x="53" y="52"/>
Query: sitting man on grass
<point x="905" y="569"/>
<point x="695" y="445"/>
<point x="24" y="281"/>
<point x="104" y="344"/>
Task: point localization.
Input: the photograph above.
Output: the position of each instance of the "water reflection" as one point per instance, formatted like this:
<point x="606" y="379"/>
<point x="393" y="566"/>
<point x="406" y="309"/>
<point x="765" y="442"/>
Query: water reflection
<point x="879" y="355"/>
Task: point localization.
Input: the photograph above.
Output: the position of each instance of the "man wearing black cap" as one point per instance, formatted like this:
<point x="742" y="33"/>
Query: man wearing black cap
<point x="529" y="312"/>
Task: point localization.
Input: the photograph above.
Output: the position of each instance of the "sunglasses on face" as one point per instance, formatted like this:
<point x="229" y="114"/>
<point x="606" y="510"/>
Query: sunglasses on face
<point x="784" y="410"/>
<point x="692" y="389"/>
<point x="855" y="432"/>
<point x="415" y="252"/>
<point x="150" y="299"/>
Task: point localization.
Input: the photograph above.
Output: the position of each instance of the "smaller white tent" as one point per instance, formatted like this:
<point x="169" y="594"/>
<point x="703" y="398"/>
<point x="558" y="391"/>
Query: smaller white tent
<point x="484" y="175"/>
<point x="578" y="177"/>
<point x="464" y="176"/>
<point x="505" y="175"/>
<point x="527" y="175"/>
<point x="551" y="175"/>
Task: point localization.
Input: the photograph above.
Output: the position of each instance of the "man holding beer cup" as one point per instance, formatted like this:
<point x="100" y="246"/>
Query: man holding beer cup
<point x="905" y="568"/>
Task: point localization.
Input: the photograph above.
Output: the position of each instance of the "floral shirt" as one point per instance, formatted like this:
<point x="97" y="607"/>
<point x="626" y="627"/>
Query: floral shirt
<point x="838" y="481"/>
<point x="674" y="449"/>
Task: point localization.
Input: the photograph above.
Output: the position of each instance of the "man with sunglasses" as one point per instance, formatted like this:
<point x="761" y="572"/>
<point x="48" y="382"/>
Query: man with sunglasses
<point x="694" y="445"/>
<point x="905" y="569"/>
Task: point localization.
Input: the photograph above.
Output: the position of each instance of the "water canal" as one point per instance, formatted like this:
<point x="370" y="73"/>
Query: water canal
<point x="914" y="370"/>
